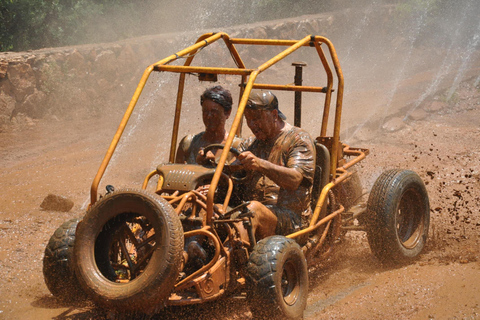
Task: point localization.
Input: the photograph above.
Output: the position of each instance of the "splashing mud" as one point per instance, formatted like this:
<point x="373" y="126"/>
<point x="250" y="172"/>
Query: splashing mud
<point x="426" y="82"/>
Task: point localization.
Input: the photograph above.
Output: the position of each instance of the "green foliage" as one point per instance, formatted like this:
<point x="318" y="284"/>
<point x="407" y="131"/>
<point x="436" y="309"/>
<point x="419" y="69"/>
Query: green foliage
<point x="33" y="24"/>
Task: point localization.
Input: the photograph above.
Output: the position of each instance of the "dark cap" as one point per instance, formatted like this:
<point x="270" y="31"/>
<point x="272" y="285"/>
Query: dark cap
<point x="264" y="100"/>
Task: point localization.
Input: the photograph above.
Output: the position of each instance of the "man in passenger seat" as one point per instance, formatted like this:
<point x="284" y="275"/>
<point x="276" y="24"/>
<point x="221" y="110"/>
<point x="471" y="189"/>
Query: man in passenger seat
<point x="216" y="105"/>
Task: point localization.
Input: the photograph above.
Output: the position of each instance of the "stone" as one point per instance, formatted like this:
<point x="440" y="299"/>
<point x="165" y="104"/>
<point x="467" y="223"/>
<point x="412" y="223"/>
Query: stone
<point x="259" y="33"/>
<point x="309" y="26"/>
<point x="330" y="20"/>
<point x="365" y="134"/>
<point x="3" y="68"/>
<point x="49" y="76"/>
<point x="7" y="104"/>
<point x="30" y="59"/>
<point x="282" y="29"/>
<point x="394" y="124"/>
<point x="58" y="57"/>
<point x="4" y="122"/>
<point x="436" y="106"/>
<point x="56" y="203"/>
<point x="145" y="52"/>
<point x="34" y="105"/>
<point x="116" y="48"/>
<point x="22" y="78"/>
<point x="30" y="122"/>
<point x="75" y="61"/>
<point x="91" y="55"/>
<point x="106" y="65"/>
<point x="126" y="59"/>
<point x="103" y="85"/>
<point x="417" y="114"/>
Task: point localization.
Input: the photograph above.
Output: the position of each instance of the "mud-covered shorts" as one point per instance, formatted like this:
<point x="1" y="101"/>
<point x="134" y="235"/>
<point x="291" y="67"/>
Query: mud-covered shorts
<point x="287" y="220"/>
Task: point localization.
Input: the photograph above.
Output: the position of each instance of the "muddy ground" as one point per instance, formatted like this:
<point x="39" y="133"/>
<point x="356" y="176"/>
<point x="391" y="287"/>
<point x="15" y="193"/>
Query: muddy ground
<point x="440" y="141"/>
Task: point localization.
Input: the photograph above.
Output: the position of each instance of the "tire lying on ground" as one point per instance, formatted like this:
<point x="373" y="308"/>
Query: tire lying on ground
<point x="128" y="251"/>
<point x="58" y="265"/>
<point x="277" y="279"/>
<point x="398" y="216"/>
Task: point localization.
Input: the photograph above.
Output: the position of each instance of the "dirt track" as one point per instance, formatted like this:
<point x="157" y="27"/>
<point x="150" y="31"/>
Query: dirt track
<point x="442" y="146"/>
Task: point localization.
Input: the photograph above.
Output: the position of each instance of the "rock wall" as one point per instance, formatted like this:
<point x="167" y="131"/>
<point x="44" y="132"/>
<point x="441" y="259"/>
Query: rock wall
<point x="84" y="81"/>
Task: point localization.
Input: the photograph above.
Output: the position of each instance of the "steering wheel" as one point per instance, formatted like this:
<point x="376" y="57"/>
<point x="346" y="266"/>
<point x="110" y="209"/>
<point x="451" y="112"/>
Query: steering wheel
<point x="227" y="167"/>
<point x="210" y="147"/>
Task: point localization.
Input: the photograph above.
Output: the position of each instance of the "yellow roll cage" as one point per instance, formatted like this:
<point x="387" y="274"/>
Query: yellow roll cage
<point x="338" y="168"/>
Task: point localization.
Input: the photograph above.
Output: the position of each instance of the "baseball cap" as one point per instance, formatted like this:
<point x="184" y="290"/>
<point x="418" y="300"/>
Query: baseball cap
<point x="264" y="100"/>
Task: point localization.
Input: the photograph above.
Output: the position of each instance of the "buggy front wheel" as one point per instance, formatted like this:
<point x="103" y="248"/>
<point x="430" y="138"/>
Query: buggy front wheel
<point x="128" y="251"/>
<point x="277" y="279"/>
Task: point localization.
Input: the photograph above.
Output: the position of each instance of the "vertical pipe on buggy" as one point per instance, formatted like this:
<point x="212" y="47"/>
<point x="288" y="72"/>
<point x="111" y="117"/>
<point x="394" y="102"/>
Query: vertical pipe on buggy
<point x="238" y="118"/>
<point x="242" y="90"/>
<point x="328" y="93"/>
<point x="298" y="94"/>
<point x="338" y="109"/>
<point x="131" y="107"/>
<point x="176" y="119"/>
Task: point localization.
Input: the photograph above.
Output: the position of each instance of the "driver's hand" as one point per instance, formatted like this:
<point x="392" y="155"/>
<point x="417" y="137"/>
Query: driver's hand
<point x="203" y="159"/>
<point x="249" y="161"/>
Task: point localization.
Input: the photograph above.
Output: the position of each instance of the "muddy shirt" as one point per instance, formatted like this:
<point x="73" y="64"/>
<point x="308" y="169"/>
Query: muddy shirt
<point x="191" y="144"/>
<point x="293" y="148"/>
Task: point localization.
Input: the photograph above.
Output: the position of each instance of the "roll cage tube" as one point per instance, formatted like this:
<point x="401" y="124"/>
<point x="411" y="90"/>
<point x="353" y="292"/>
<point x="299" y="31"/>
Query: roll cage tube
<point x="205" y="40"/>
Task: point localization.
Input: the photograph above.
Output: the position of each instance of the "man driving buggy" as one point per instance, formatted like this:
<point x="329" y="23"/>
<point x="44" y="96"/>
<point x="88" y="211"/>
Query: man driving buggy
<point x="281" y="159"/>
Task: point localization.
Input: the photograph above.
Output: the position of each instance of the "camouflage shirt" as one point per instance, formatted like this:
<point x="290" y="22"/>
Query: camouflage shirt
<point x="293" y="148"/>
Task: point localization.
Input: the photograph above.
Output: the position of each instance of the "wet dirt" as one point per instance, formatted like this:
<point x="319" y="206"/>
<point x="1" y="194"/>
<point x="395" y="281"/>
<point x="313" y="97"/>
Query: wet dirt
<point x="441" y="145"/>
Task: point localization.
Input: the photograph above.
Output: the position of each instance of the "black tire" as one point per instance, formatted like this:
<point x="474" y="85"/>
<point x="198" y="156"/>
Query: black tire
<point x="398" y="216"/>
<point x="128" y="251"/>
<point x="58" y="265"/>
<point x="277" y="279"/>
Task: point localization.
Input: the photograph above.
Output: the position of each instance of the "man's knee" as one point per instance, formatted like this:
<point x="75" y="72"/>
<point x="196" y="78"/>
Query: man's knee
<point x="255" y="207"/>
<point x="264" y="220"/>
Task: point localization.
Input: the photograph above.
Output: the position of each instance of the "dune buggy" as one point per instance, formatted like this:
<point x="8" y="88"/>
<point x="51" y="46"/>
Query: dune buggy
<point x="128" y="253"/>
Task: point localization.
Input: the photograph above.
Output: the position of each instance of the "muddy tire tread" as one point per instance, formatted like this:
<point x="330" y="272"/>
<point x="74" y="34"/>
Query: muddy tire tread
<point x="58" y="266"/>
<point x="263" y="267"/>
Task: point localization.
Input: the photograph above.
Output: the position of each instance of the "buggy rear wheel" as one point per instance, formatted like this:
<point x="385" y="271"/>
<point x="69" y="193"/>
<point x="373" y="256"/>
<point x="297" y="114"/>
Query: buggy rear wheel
<point x="398" y="216"/>
<point x="128" y="251"/>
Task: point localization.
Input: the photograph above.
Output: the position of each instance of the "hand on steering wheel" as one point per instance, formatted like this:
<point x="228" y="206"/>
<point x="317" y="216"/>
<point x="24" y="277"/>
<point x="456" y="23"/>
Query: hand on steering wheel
<point x="210" y="147"/>
<point x="231" y="169"/>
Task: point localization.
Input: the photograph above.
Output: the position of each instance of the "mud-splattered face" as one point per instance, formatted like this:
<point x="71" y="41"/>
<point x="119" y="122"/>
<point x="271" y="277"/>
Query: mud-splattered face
<point x="262" y="123"/>
<point x="214" y="115"/>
